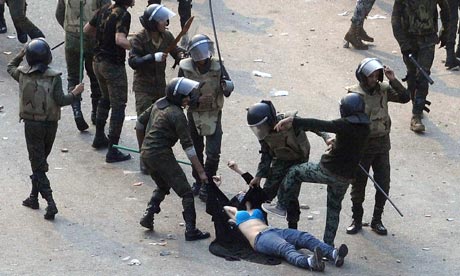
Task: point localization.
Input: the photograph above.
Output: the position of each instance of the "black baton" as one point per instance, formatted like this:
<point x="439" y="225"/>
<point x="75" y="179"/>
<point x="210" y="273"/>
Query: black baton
<point x="424" y="73"/>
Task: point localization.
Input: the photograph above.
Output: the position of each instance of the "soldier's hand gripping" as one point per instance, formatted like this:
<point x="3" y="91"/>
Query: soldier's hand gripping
<point x="255" y="182"/>
<point x="284" y="124"/>
<point x="78" y="89"/>
<point x="203" y="177"/>
<point x="389" y="73"/>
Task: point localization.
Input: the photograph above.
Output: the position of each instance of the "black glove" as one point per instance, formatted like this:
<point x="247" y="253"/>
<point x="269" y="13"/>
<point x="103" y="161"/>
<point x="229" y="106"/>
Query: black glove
<point x="148" y="58"/>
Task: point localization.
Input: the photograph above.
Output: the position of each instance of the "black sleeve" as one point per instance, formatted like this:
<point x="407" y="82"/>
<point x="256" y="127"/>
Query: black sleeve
<point x="247" y="177"/>
<point x="180" y="74"/>
<point x="334" y="126"/>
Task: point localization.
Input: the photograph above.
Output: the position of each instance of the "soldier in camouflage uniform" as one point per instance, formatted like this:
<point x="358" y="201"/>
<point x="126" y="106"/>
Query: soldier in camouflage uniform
<point x="205" y="114"/>
<point x="337" y="167"/>
<point x="68" y="16"/>
<point x="279" y="152"/>
<point x="452" y="56"/>
<point x="376" y="94"/>
<point x="415" y="27"/>
<point x="160" y="127"/>
<point x="356" y="33"/>
<point x="111" y="25"/>
<point x="149" y="75"/>
<point x="41" y="98"/>
<point x="22" y="24"/>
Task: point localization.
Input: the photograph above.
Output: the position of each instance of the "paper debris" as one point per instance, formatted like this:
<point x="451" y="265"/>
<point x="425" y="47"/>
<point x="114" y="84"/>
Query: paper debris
<point x="261" y="74"/>
<point x="304" y="206"/>
<point x="11" y="36"/>
<point x="64" y="150"/>
<point x="345" y="13"/>
<point x="377" y="16"/>
<point x="7" y="53"/>
<point x="158" y="243"/>
<point x="138" y="184"/>
<point x="278" y="93"/>
<point x="310" y="217"/>
<point x="126" y="258"/>
<point x="258" y="60"/>
<point x="131" y="118"/>
<point x="134" y="262"/>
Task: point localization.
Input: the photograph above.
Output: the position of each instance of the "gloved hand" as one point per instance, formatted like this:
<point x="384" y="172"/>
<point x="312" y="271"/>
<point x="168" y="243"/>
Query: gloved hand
<point x="148" y="58"/>
<point x="442" y="37"/>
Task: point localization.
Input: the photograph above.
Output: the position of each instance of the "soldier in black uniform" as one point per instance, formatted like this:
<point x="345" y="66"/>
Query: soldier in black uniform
<point x="160" y="127"/>
<point x="24" y="27"/>
<point x="41" y="98"/>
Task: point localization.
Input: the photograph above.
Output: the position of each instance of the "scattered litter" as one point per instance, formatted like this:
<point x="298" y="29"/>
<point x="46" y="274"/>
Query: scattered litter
<point x="428" y="216"/>
<point x="181" y="224"/>
<point x="134" y="262"/>
<point x="11" y="36"/>
<point x="5" y="138"/>
<point x="58" y="168"/>
<point x="398" y="261"/>
<point x="304" y="206"/>
<point x="7" y="53"/>
<point x="158" y="243"/>
<point x="171" y="237"/>
<point x="444" y="182"/>
<point x="283" y="34"/>
<point x="165" y="253"/>
<point x="64" y="150"/>
<point x="315" y="212"/>
<point x="126" y="258"/>
<point x="426" y="249"/>
<point x="310" y="217"/>
<point x="129" y="172"/>
<point x="131" y="118"/>
<point x="138" y="184"/>
<point x="450" y="219"/>
<point x="1" y="107"/>
<point x="345" y="13"/>
<point x="394" y="52"/>
<point x="261" y="74"/>
<point x="258" y="60"/>
<point x="270" y="35"/>
<point x="130" y="198"/>
<point x="377" y="16"/>
<point x="312" y="29"/>
<point x="278" y="93"/>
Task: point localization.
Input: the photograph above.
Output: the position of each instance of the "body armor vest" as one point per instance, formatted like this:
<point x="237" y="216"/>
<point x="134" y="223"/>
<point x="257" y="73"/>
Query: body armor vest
<point x="376" y="108"/>
<point x="72" y="14"/>
<point x="36" y="96"/>
<point x="288" y="145"/>
<point x="420" y="17"/>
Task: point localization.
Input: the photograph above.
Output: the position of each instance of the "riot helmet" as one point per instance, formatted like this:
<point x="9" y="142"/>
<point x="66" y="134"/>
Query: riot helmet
<point x="38" y="54"/>
<point x="352" y="108"/>
<point x="261" y="118"/>
<point x="200" y="47"/>
<point x="179" y="88"/>
<point x="153" y="14"/>
<point x="367" y="67"/>
<point x="124" y="2"/>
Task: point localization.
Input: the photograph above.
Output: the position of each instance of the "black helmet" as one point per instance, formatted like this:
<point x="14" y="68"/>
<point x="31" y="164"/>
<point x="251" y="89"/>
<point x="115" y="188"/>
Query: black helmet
<point x="366" y="67"/>
<point x="38" y="54"/>
<point x="261" y="118"/>
<point x="200" y="47"/>
<point x="179" y="88"/>
<point x="153" y="14"/>
<point x="352" y="108"/>
<point x="124" y="2"/>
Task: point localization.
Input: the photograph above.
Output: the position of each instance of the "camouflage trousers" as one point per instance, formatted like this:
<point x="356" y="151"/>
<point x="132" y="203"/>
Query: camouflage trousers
<point x="21" y="22"/>
<point x="167" y="174"/>
<point x="144" y="100"/>
<point x="39" y="139"/>
<point x="336" y="190"/>
<point x="362" y="9"/>
<point x="72" y="58"/>
<point x="278" y="171"/>
<point x="380" y="163"/>
<point x="454" y="6"/>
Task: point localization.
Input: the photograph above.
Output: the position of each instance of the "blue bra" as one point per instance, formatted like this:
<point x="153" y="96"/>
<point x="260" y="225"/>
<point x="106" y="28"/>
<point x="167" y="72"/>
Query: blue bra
<point x="243" y="216"/>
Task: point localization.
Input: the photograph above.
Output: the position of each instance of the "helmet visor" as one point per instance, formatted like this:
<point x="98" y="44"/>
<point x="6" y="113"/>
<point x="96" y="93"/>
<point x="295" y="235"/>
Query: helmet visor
<point x="261" y="129"/>
<point x="161" y="13"/>
<point x="201" y="50"/>
<point x="371" y="66"/>
<point x="185" y="86"/>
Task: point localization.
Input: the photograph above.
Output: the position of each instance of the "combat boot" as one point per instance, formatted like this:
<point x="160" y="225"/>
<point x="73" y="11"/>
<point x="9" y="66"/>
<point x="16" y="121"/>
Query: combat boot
<point x="78" y="116"/>
<point x="32" y="200"/>
<point x="191" y="232"/>
<point x="94" y="103"/>
<point x="196" y="187"/>
<point x="100" y="139"/>
<point x="148" y="217"/>
<point x="356" y="224"/>
<point x="416" y="124"/>
<point x="376" y="223"/>
<point x="51" y="210"/>
<point x="114" y="155"/>
<point x="352" y="36"/>
<point x="363" y="35"/>
<point x="452" y="63"/>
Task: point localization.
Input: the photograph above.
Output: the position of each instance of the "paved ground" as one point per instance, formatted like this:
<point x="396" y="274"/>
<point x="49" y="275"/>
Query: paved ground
<point x="300" y="43"/>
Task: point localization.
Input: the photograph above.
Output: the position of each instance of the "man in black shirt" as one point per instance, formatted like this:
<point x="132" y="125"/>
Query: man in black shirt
<point x="111" y="25"/>
<point x="337" y="167"/>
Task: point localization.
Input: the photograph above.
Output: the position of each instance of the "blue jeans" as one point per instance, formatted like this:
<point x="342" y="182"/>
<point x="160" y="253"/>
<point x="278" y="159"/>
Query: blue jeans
<point x="283" y="243"/>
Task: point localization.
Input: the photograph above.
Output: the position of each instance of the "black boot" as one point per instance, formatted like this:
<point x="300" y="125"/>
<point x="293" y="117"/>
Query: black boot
<point x="196" y="188"/>
<point x="452" y="63"/>
<point x="51" y="210"/>
<point x="203" y="193"/>
<point x="147" y="219"/>
<point x="191" y="232"/>
<point x="376" y="223"/>
<point x="100" y="139"/>
<point x="292" y="225"/>
<point x="113" y="154"/>
<point x="78" y="116"/>
<point x="94" y="103"/>
<point x="32" y="200"/>
<point x="356" y="224"/>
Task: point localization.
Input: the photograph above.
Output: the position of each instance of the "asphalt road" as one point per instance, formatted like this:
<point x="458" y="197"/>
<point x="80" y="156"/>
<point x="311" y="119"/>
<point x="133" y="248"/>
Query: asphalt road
<point x="300" y="44"/>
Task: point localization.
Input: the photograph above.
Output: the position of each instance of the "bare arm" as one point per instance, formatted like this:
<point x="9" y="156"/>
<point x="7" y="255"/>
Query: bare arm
<point x="89" y="30"/>
<point x="122" y="41"/>
<point x="231" y="211"/>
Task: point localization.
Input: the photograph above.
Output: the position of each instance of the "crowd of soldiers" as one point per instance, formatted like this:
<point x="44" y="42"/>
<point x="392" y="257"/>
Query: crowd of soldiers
<point x="361" y="139"/>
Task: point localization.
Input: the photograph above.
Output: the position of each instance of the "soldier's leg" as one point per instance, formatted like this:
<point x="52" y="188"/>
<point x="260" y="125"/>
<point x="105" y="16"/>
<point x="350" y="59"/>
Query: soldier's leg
<point x="358" y="192"/>
<point x="117" y="85"/>
<point x="103" y="108"/>
<point x="291" y="196"/>
<point x="335" y="194"/>
<point x="3" y="28"/>
<point x="198" y="143"/>
<point x="381" y="168"/>
<point x="18" y="15"/>
<point x="94" y="85"/>
<point x="366" y="9"/>
<point x="150" y="2"/>
<point x="451" y="59"/>
<point x="353" y="34"/>
<point x="416" y="124"/>
<point x="185" y="11"/>
<point x="143" y="101"/>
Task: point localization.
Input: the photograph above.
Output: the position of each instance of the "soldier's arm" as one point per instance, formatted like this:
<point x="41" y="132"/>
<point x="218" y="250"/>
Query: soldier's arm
<point x="323" y="135"/>
<point x="136" y="55"/>
<point x="317" y="125"/>
<point x="398" y="31"/>
<point x="122" y="31"/>
<point x="141" y="123"/>
<point x="59" y="97"/>
<point x="60" y="12"/>
<point x="12" y="67"/>
<point x="90" y="27"/>
<point x="397" y="92"/>
<point x="265" y="160"/>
